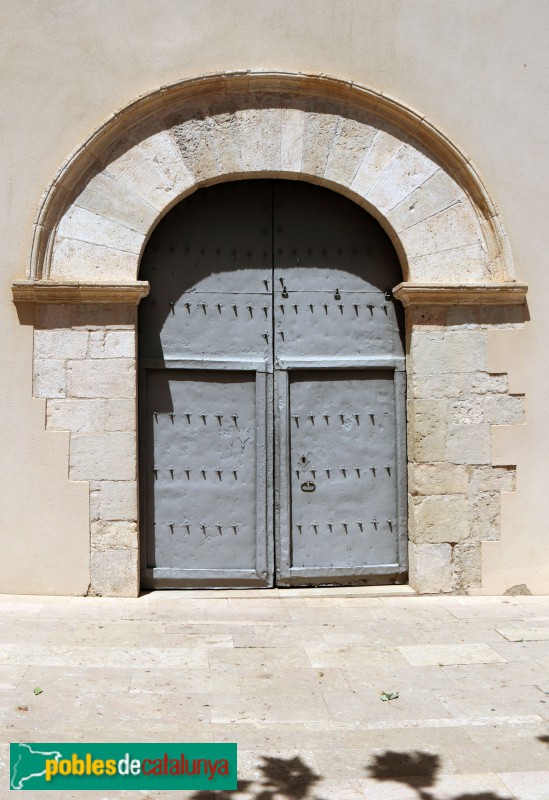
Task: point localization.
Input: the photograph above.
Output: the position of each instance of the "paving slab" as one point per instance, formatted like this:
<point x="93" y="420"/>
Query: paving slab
<point x="294" y="677"/>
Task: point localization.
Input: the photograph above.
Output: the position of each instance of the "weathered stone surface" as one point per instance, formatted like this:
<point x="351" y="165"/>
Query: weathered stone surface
<point x="467" y="412"/>
<point x="81" y="261"/>
<point x="227" y="142"/>
<point x="291" y="139"/>
<point x="117" y="500"/>
<point x="49" y="377"/>
<point x="441" y="478"/>
<point x="466" y="566"/>
<point x="106" y="196"/>
<point x="467" y="351"/>
<point x="101" y="378"/>
<point x="112" y="344"/>
<point x="428" y="352"/>
<point x="503" y="410"/>
<point x="383" y="148"/>
<point x="438" y="192"/>
<point x="60" y="343"/>
<point x="349" y="147"/>
<point x="486" y="508"/>
<point x="453" y="227"/>
<point x="469" y="444"/>
<point x="162" y="150"/>
<point x="467" y="263"/>
<point x="427" y="438"/>
<point x="121" y="415"/>
<point x="105" y="456"/>
<point x="409" y="169"/>
<point x="84" y="416"/>
<point x="485" y="479"/>
<point x="431" y="568"/>
<point x="440" y="518"/>
<point x="84" y="225"/>
<point x="320" y="130"/>
<point x="99" y="317"/>
<point x="195" y="142"/>
<point x="114" y="573"/>
<point x="115" y="535"/>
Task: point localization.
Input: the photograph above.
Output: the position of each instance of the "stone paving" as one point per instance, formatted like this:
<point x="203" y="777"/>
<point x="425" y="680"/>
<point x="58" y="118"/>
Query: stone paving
<point x="294" y="677"/>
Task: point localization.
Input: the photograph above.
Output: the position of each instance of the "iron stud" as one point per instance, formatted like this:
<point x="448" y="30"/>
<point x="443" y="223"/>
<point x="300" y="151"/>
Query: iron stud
<point x="172" y="415"/>
<point x="313" y="473"/>
<point x="219" y="472"/>
<point x="219" y="306"/>
<point x="372" y="417"/>
<point x="187" y="472"/>
<point x="203" y="306"/>
<point x="155" y="470"/>
<point x="330" y="526"/>
<point x="172" y="526"/>
<point x="295" y="418"/>
<point x="188" y="307"/>
<point x="357" y="417"/>
<point x="235" y="309"/>
<point x="235" y="529"/>
<point x="326" y="417"/>
<point x="312" y="418"/>
<point x="219" y="417"/>
<point x="282" y="308"/>
<point x="325" y="307"/>
<point x="390" y="524"/>
<point x="235" y="474"/>
<point x="373" y="470"/>
<point x="375" y="523"/>
<point x="388" y="468"/>
<point x="360" y="525"/>
<point x="328" y="473"/>
<point x="340" y="306"/>
<point x="345" y="527"/>
<point x="299" y="527"/>
<point x="155" y="416"/>
<point x="188" y="527"/>
<point x="266" y="284"/>
<point x="171" y="471"/>
<point x="266" y="311"/>
<point x="344" y="471"/>
<point x="234" y="418"/>
<point x="266" y="337"/>
<point x="203" y="529"/>
<point x="203" y="473"/>
<point x="371" y="309"/>
<point x="203" y="417"/>
<point x="358" y="472"/>
<point x="311" y="306"/>
<point x="251" y="310"/>
<point x="172" y="306"/>
<point x="188" y="415"/>
<point x="295" y="307"/>
<point x="355" y="306"/>
<point x="342" y="418"/>
<point x="315" y="527"/>
<point x="219" y="528"/>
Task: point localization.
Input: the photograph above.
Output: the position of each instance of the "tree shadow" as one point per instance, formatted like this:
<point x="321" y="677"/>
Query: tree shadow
<point x="544" y="739"/>
<point x="418" y="771"/>
<point x="281" y="779"/>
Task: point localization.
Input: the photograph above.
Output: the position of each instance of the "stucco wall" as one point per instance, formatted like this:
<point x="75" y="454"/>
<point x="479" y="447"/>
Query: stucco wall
<point x="476" y="73"/>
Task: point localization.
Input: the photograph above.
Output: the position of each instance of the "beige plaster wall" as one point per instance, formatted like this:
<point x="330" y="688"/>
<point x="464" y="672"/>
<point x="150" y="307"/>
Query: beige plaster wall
<point x="477" y="72"/>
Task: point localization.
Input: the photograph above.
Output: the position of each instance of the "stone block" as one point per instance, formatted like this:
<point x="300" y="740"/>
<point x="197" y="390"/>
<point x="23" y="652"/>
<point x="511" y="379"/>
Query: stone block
<point x="49" y="377"/>
<point x="408" y="170"/>
<point x="350" y="145"/>
<point x="227" y="143"/>
<point x="107" y="456"/>
<point x="466" y="351"/>
<point x="60" y="343"/>
<point x="98" y="317"/>
<point x="112" y="344"/>
<point x="95" y="378"/>
<point x="84" y="416"/>
<point x="440" y="518"/>
<point x="486" y="509"/>
<point x="437" y="192"/>
<point x="121" y="415"/>
<point x="428" y="352"/>
<point x="441" y="478"/>
<point x="291" y="139"/>
<point x="117" y="500"/>
<point x="114" y="535"/>
<point x="427" y="430"/>
<point x="320" y="130"/>
<point x="503" y="409"/>
<point x="467" y="412"/>
<point x="466" y="567"/>
<point x="81" y="261"/>
<point x="107" y="197"/>
<point x="469" y="444"/>
<point x="467" y="264"/>
<point x="195" y="142"/>
<point x="452" y="227"/>
<point x="49" y="315"/>
<point x="382" y="150"/>
<point x="488" y="478"/>
<point x="162" y="150"/>
<point x="115" y="573"/>
<point x="80" y="223"/>
<point x="430" y="568"/>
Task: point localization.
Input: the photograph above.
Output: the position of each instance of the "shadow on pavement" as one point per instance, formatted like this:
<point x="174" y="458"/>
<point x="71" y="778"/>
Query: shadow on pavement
<point x="281" y="779"/>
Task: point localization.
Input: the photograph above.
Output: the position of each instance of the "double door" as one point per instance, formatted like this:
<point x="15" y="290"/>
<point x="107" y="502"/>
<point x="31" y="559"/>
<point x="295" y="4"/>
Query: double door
<point x="271" y="393"/>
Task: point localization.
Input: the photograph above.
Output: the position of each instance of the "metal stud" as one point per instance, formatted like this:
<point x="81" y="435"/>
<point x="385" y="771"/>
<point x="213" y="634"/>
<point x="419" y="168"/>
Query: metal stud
<point x="171" y="471"/>
<point x="251" y="310"/>
<point x="172" y="416"/>
<point x="325" y="307"/>
<point x="371" y="309"/>
<point x="203" y="473"/>
<point x="155" y="416"/>
<point x="340" y="306"/>
<point x="282" y="308"/>
<point x="344" y="471"/>
<point x="373" y="470"/>
<point x="337" y="296"/>
<point x="219" y="417"/>
<point x="219" y="306"/>
<point x="188" y="415"/>
<point x="219" y="528"/>
<point x="266" y="336"/>
<point x="312" y="418"/>
<point x="342" y="418"/>
<point x="355" y="306"/>
<point x="235" y="474"/>
<point x="188" y="527"/>
<point x="235" y="309"/>
<point x="172" y="526"/>
<point x="326" y="418"/>
<point x="235" y="529"/>
<point x="345" y="527"/>
<point x="295" y="307"/>
<point x="328" y="473"/>
<point x="281" y="334"/>
<point x="203" y="529"/>
<point x="390" y="524"/>
<point x="172" y="306"/>
<point x="266" y="311"/>
<point x="203" y="417"/>
<point x="385" y="309"/>
<point x="188" y="307"/>
<point x="314" y="526"/>
<point x="357" y="417"/>
<point x="360" y="525"/>
<point x="295" y="418"/>
<point x="234" y="418"/>
<point x="297" y="472"/>
<point x="155" y="470"/>
<point x="299" y="527"/>
<point x="203" y="306"/>
<point x="187" y="472"/>
<point x="357" y="472"/>
<point x="375" y="523"/>
<point x="330" y="526"/>
<point x="311" y="306"/>
<point x="266" y="283"/>
<point x="372" y="417"/>
<point x="313" y="473"/>
<point x="219" y="472"/>
<point x="388" y="468"/>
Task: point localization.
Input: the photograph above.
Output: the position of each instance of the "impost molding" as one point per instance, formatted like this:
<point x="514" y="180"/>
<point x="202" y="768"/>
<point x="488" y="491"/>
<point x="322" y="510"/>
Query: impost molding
<point x="486" y="294"/>
<point x="75" y="292"/>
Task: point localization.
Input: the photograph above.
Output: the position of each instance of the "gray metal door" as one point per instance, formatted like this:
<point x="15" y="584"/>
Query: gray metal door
<point x="253" y="282"/>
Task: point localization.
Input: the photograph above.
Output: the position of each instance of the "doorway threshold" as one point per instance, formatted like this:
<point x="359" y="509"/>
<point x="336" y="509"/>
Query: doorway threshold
<point x="390" y="590"/>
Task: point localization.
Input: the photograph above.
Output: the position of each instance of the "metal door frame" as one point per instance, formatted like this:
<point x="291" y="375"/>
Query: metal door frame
<point x="263" y="575"/>
<point x="285" y="574"/>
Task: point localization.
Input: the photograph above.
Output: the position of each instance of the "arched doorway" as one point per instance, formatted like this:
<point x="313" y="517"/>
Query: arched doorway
<point x="272" y="392"/>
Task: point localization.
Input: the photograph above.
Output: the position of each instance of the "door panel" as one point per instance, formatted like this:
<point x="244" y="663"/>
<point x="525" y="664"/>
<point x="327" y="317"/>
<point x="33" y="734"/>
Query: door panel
<point x="205" y="482"/>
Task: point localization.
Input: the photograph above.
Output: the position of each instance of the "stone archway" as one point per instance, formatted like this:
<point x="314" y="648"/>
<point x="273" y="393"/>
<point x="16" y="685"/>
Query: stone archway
<point x="95" y="220"/>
